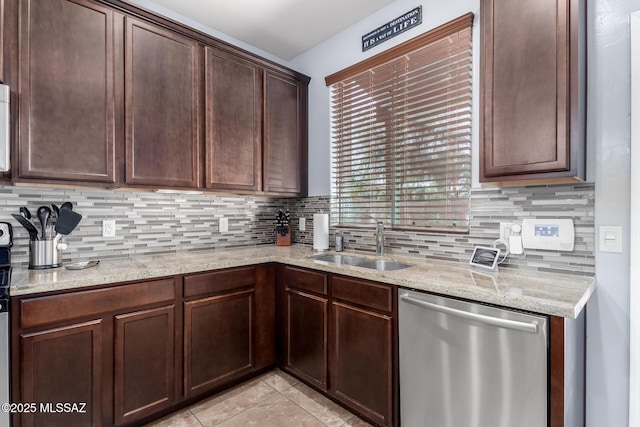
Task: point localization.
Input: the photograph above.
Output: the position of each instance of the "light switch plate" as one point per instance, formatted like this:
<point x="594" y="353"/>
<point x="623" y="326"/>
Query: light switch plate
<point x="610" y="239"/>
<point x="302" y="224"/>
<point x="224" y="225"/>
<point x="108" y="228"/>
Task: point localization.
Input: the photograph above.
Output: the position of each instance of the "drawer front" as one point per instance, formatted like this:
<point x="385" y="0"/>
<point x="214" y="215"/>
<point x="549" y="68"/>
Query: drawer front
<point x="369" y="294"/>
<point x="305" y="280"/>
<point x="219" y="281"/>
<point x="57" y="308"/>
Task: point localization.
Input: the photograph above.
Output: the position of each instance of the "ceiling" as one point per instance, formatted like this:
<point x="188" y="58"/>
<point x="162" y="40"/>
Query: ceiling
<point x="284" y="28"/>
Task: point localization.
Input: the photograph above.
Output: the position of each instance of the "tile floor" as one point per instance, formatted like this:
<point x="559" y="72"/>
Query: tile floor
<point x="274" y="399"/>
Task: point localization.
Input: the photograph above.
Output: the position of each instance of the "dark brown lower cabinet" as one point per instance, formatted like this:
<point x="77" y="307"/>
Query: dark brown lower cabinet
<point x="306" y="336"/>
<point x="144" y="363"/>
<point x="111" y="348"/>
<point x="61" y="365"/>
<point x="361" y="361"/>
<point x="303" y="324"/>
<point x="131" y="351"/>
<point x="217" y="340"/>
<point x="229" y="322"/>
<point x="134" y="351"/>
<point x="363" y="354"/>
<point x="337" y="334"/>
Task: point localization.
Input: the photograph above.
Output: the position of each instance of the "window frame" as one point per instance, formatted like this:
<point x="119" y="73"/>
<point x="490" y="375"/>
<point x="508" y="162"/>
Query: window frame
<point x="379" y="61"/>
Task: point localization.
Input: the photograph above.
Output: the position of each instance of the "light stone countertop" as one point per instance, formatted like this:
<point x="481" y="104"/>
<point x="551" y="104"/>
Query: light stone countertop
<point x="563" y="295"/>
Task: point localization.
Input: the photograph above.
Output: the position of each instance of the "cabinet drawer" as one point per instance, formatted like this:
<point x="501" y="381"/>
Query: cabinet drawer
<point x="219" y="281"/>
<point x="57" y="308"/>
<point x="305" y="280"/>
<point x="373" y="295"/>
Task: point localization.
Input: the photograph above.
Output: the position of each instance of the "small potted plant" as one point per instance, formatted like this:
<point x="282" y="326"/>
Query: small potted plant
<point x="283" y="229"/>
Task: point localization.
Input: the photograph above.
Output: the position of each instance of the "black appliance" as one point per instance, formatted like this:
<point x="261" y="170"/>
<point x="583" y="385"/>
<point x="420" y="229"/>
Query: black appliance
<point x="6" y="242"/>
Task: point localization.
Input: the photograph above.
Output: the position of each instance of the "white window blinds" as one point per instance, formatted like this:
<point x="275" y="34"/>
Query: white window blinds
<point x="401" y="125"/>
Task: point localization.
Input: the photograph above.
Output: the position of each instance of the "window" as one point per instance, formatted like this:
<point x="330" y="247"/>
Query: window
<point x="401" y="130"/>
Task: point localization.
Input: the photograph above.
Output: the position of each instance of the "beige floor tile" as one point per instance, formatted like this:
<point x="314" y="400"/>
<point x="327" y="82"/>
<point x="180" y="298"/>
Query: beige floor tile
<point x="180" y="419"/>
<point x="277" y="411"/>
<point x="279" y="380"/>
<point x="220" y="408"/>
<point x="317" y="405"/>
<point x="356" y="422"/>
<point x="225" y="394"/>
<point x="275" y="399"/>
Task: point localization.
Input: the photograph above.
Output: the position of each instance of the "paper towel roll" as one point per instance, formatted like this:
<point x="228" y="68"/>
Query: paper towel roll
<point x="320" y="232"/>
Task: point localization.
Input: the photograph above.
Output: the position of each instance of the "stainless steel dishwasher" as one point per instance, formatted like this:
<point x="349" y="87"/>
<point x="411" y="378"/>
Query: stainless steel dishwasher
<point x="470" y="365"/>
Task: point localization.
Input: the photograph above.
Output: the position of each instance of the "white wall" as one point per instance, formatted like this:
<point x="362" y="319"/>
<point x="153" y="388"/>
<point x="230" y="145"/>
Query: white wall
<point x="345" y="49"/>
<point x="608" y="132"/>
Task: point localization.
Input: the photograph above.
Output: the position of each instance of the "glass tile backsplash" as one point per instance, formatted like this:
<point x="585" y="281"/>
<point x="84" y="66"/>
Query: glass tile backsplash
<point x="148" y="223"/>
<point x="489" y="207"/>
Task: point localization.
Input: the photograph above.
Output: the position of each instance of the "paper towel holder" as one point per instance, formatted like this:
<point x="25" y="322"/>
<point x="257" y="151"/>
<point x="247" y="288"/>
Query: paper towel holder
<point x="320" y="232"/>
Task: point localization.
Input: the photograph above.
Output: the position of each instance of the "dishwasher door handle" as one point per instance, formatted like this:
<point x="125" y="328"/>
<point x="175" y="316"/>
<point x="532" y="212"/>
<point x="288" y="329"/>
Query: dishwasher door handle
<point x="495" y="321"/>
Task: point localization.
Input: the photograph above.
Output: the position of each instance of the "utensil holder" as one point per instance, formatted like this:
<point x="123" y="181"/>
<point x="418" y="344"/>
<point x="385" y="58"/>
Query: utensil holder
<point x="44" y="254"/>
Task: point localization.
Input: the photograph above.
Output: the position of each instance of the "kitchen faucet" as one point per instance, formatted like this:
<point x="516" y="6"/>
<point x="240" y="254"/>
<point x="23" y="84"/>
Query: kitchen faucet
<point x="379" y="235"/>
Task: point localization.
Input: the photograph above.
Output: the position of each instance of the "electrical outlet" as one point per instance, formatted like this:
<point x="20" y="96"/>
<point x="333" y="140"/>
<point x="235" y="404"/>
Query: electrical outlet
<point x="302" y="224"/>
<point x="505" y="230"/>
<point x="108" y="228"/>
<point x="223" y="225"/>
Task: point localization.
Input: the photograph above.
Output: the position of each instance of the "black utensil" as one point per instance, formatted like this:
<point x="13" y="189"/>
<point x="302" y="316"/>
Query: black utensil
<point x="24" y="211"/>
<point x="67" y="222"/>
<point x="43" y="215"/>
<point x="33" y="232"/>
<point x="67" y="205"/>
<point x="55" y="209"/>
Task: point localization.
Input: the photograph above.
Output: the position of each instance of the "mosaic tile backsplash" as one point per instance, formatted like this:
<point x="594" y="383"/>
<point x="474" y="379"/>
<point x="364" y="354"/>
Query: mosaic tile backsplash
<point x="489" y="207"/>
<point x="148" y="222"/>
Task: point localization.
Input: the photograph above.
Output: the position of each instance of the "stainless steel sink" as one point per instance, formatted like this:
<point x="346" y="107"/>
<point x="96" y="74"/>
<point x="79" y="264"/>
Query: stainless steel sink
<point x="383" y="265"/>
<point x="356" y="261"/>
<point x="342" y="259"/>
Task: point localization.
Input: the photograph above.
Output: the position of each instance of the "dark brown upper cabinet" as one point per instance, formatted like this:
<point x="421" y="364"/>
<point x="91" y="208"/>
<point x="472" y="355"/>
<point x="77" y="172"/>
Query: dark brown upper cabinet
<point x="285" y="135"/>
<point x="107" y="94"/>
<point x="66" y="92"/>
<point x="533" y="91"/>
<point x="162" y="93"/>
<point x="233" y="122"/>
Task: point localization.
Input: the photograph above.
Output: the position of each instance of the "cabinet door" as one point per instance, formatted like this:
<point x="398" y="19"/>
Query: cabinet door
<point x="361" y="362"/>
<point x="218" y="334"/>
<point x="306" y="337"/>
<point x="144" y="363"/>
<point x="530" y="118"/>
<point x="162" y="107"/>
<point x="233" y="122"/>
<point x="62" y="365"/>
<point x="66" y="91"/>
<point x="285" y="145"/>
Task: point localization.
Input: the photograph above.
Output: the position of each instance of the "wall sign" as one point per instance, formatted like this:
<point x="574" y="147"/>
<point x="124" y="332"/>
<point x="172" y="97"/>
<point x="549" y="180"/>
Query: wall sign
<point x="392" y="28"/>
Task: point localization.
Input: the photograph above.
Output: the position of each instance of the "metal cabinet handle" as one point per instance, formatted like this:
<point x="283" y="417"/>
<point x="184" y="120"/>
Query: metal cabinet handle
<point x="495" y="321"/>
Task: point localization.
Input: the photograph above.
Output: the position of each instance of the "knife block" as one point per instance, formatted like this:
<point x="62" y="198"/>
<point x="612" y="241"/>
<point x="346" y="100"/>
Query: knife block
<point x="283" y="236"/>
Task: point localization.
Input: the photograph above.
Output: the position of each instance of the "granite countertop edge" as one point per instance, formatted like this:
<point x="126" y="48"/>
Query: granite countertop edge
<point x="555" y="294"/>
